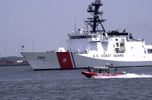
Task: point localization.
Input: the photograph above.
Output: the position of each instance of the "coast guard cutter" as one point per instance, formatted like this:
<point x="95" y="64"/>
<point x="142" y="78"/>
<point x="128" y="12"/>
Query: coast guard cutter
<point x="95" y="47"/>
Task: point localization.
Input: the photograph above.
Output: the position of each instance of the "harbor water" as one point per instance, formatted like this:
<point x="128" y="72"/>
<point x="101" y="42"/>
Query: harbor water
<point x="22" y="83"/>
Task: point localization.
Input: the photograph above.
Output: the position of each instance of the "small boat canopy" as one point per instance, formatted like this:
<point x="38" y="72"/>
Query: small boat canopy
<point x="101" y="70"/>
<point x="101" y="67"/>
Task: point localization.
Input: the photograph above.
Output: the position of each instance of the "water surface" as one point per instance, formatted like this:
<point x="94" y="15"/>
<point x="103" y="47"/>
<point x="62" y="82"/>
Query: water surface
<point x="21" y="83"/>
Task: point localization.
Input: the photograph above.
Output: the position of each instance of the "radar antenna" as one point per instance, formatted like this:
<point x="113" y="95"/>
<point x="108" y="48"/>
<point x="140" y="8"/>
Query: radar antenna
<point x="95" y="21"/>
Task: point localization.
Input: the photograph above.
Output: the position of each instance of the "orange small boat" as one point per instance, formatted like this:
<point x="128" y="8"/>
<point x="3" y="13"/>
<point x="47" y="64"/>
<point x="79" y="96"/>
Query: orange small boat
<point x="100" y="71"/>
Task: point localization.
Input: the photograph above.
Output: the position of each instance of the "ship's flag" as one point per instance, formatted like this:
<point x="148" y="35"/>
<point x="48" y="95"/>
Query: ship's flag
<point x="22" y="47"/>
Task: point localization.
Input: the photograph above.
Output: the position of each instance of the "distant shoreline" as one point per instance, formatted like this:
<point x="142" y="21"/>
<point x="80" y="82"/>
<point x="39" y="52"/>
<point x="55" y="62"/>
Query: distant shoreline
<point x="13" y="61"/>
<point x="3" y="65"/>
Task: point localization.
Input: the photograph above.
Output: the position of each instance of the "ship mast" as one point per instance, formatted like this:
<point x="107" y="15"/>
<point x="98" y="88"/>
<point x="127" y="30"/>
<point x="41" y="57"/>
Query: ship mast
<point x="95" y="21"/>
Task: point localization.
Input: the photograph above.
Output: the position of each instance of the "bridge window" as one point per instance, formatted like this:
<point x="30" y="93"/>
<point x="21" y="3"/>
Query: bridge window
<point x="117" y="44"/>
<point x="149" y="51"/>
<point x="121" y="44"/>
<point x="80" y="37"/>
<point x="95" y="36"/>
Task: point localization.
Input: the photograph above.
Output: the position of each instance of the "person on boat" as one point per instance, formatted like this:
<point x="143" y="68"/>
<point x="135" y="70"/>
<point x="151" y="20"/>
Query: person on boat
<point x="130" y="36"/>
<point x="100" y="70"/>
<point x="89" y="69"/>
<point x="115" y="70"/>
<point x="111" y="65"/>
<point x="107" y="65"/>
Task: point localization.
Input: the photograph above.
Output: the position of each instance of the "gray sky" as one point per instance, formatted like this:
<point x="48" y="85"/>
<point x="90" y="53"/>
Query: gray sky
<point x="47" y="22"/>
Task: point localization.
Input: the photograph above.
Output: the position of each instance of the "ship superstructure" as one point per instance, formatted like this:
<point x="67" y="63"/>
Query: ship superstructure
<point x="95" y="47"/>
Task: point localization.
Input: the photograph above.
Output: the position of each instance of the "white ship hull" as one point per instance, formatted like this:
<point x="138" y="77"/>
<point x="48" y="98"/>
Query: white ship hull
<point x="69" y="60"/>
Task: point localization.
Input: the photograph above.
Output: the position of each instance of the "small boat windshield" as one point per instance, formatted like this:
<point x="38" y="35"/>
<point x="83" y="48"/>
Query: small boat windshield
<point x="101" y="70"/>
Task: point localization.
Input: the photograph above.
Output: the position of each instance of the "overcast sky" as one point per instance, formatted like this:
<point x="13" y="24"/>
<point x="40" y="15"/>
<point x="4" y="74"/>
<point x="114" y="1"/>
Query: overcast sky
<point x="46" y="23"/>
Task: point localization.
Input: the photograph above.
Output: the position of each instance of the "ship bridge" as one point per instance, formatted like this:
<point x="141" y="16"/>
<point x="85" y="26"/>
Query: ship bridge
<point x="83" y="42"/>
<point x="79" y="42"/>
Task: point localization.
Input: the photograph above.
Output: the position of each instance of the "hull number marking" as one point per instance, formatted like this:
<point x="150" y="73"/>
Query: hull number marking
<point x="40" y="57"/>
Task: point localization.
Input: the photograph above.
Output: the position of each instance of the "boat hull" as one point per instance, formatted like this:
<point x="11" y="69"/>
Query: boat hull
<point x="91" y="74"/>
<point x="69" y="60"/>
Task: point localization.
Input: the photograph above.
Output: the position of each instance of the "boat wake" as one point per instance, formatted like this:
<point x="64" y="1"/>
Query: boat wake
<point x="128" y="75"/>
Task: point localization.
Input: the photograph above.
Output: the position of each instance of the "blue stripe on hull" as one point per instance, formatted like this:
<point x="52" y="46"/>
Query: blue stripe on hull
<point x="73" y="60"/>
